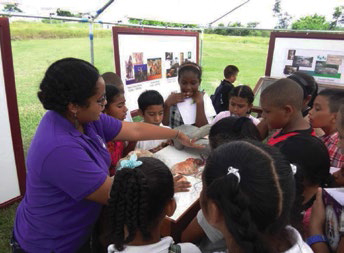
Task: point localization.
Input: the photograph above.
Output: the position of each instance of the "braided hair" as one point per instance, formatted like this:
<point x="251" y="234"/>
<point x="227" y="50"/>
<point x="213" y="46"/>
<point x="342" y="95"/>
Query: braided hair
<point x="255" y="207"/>
<point x="137" y="200"/>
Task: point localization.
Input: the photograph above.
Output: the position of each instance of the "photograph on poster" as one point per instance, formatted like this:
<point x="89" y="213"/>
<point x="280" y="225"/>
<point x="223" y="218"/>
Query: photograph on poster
<point x="168" y="55"/>
<point x="189" y="55"/>
<point x="129" y="75"/>
<point x="140" y="73"/>
<point x="154" y="68"/>
<point x="326" y="70"/>
<point x="291" y="54"/>
<point x="181" y="58"/>
<point x="138" y="58"/>
<point x="302" y="61"/>
<point x="288" y="69"/>
<point x="172" y="72"/>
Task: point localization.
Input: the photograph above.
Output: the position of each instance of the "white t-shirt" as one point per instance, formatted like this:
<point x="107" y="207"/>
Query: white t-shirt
<point x="226" y="114"/>
<point x="159" y="247"/>
<point x="216" y="237"/>
<point x="147" y="145"/>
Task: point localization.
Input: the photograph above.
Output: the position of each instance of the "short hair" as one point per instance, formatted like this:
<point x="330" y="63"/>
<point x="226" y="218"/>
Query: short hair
<point x="148" y="98"/>
<point x="68" y="80"/>
<point x="230" y="70"/>
<point x="284" y="92"/>
<point x="113" y="78"/>
<point x="190" y="66"/>
<point x="111" y="92"/>
<point x="335" y="98"/>
<point x="232" y="129"/>
<point x="243" y="91"/>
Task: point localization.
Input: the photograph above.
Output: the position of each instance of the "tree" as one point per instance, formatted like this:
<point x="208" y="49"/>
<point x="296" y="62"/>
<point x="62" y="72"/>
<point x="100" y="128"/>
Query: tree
<point x="315" y="22"/>
<point x="283" y="18"/>
<point x="64" y="13"/>
<point x="337" y="17"/>
<point x="11" y="8"/>
<point x="252" y="24"/>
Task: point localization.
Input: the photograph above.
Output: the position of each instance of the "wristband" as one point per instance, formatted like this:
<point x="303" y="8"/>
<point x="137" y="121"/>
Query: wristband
<point x="316" y="238"/>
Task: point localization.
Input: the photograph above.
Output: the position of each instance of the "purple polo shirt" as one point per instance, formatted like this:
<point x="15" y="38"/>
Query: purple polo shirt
<point x="63" y="167"/>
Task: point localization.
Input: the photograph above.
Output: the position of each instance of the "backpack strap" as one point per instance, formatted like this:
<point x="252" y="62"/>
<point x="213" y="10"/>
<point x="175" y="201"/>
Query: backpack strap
<point x="174" y="248"/>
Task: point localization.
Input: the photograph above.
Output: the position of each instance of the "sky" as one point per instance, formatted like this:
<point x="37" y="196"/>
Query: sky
<point x="189" y="11"/>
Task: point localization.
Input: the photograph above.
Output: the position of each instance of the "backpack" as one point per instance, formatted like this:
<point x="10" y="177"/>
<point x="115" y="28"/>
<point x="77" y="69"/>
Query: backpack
<point x="220" y="97"/>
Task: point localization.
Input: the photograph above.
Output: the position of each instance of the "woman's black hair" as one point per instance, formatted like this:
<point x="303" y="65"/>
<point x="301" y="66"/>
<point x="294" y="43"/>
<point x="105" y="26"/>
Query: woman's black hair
<point x="111" y="93"/>
<point x="68" y="80"/>
<point x="243" y="91"/>
<point x="257" y="206"/>
<point x="308" y="84"/>
<point x="310" y="155"/>
<point x="190" y="66"/>
<point x="232" y="129"/>
<point x="137" y="200"/>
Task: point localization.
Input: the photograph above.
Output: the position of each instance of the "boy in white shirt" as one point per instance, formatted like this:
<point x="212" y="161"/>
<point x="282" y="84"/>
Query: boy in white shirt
<point x="151" y="109"/>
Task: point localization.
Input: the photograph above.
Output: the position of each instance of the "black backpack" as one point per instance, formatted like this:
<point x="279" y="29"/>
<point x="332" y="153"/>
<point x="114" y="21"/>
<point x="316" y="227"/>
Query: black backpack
<point x="220" y="98"/>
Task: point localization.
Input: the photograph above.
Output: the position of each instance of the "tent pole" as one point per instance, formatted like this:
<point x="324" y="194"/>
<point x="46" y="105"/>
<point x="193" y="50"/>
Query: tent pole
<point x="91" y="41"/>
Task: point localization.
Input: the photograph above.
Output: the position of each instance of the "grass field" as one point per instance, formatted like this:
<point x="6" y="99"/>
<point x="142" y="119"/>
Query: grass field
<point x="32" y="57"/>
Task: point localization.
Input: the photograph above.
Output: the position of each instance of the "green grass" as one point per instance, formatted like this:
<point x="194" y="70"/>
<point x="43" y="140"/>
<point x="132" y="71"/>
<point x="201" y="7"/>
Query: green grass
<point x="32" y="57"/>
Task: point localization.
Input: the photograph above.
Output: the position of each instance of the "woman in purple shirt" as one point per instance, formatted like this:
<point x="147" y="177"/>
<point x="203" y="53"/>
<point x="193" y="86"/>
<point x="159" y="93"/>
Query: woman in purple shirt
<point x="67" y="163"/>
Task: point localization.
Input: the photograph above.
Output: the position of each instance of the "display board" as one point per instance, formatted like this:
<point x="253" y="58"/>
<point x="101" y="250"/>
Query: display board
<point x="320" y="55"/>
<point x="12" y="169"/>
<point x="149" y="59"/>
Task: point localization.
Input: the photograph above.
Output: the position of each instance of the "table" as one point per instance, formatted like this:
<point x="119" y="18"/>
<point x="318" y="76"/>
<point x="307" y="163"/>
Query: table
<point x="187" y="202"/>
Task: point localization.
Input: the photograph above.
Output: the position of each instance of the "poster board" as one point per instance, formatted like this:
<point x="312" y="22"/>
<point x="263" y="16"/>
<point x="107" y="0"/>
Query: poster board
<point x="320" y="55"/>
<point x="149" y="59"/>
<point x="12" y="168"/>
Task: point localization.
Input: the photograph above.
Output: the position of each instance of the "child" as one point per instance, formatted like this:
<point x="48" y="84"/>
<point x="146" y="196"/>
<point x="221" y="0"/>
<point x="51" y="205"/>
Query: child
<point x="240" y="104"/>
<point x="189" y="79"/>
<point x="116" y="108"/>
<point x="282" y="104"/>
<point x="310" y="91"/>
<point x="151" y="109"/>
<point x="140" y="198"/>
<point x="224" y="131"/>
<point x="248" y="192"/>
<point x="220" y="98"/>
<point x="113" y="79"/>
<point x="317" y="220"/>
<point x="323" y="115"/>
<point x="312" y="161"/>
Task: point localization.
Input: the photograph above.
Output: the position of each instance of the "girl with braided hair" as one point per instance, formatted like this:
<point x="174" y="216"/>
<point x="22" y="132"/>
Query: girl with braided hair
<point x="248" y="193"/>
<point x="140" y="198"/>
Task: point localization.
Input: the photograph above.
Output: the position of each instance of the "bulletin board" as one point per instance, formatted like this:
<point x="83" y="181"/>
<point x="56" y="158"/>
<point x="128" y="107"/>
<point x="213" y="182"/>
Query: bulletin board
<point x="12" y="166"/>
<point x="320" y="55"/>
<point x="149" y="59"/>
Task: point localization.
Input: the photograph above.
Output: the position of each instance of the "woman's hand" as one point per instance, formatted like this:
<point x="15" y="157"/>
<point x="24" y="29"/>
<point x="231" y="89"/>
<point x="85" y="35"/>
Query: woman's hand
<point x="174" y="98"/>
<point x="181" y="185"/>
<point x="186" y="141"/>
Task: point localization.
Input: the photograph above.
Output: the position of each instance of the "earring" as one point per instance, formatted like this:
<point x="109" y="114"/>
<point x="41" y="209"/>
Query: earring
<point x="76" y="122"/>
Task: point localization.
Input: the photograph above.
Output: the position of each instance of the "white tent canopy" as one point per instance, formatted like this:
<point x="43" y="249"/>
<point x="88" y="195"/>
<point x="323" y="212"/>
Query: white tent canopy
<point x="188" y="11"/>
